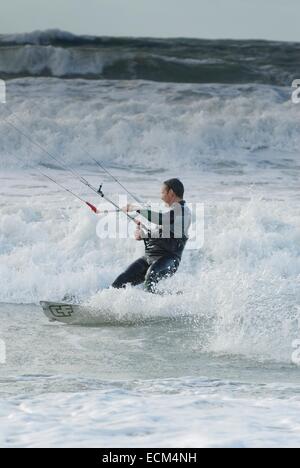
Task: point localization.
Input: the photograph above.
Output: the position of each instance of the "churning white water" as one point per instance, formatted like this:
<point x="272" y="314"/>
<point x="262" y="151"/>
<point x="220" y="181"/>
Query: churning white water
<point x="211" y="367"/>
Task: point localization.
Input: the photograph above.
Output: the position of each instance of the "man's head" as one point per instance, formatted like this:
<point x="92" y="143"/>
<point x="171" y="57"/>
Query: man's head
<point x="172" y="191"/>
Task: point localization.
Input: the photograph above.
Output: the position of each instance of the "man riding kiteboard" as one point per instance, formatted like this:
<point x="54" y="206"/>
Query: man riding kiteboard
<point x="164" y="245"/>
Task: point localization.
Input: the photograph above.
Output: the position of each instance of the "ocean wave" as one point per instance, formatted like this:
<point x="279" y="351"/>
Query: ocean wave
<point x="241" y="290"/>
<point x="65" y="55"/>
<point x="216" y="128"/>
<point x="224" y="140"/>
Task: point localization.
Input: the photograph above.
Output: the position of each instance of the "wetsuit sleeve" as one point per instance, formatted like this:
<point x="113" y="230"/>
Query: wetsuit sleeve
<point x="158" y="218"/>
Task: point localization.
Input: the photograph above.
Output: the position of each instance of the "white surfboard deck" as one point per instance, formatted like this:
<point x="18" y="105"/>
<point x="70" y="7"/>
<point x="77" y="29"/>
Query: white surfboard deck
<point x="74" y="314"/>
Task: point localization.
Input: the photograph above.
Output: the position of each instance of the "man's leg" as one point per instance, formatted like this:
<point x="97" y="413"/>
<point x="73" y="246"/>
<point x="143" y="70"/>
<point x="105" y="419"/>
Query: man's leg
<point x="134" y="275"/>
<point x="161" y="269"/>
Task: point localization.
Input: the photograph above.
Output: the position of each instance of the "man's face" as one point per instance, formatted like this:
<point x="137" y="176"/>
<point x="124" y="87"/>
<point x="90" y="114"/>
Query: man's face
<point x="166" y="195"/>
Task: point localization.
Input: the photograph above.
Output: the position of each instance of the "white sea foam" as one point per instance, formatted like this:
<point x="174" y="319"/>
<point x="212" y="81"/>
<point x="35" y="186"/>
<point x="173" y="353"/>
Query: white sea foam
<point x="60" y="62"/>
<point x="245" y="280"/>
<point x="199" y="415"/>
<point x="236" y="149"/>
<point x="152" y="125"/>
<point x="246" y="276"/>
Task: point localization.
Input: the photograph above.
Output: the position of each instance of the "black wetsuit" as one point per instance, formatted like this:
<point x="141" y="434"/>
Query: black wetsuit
<point x="162" y="254"/>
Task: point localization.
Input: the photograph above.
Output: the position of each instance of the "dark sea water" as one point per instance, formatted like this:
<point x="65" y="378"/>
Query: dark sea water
<point x="61" y="54"/>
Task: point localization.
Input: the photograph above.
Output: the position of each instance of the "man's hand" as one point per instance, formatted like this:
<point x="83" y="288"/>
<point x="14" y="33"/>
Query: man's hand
<point x="128" y="208"/>
<point x="138" y="232"/>
<point x="138" y="235"/>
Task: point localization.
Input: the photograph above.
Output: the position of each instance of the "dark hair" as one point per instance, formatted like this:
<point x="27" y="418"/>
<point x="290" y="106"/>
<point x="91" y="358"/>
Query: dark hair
<point x="176" y="185"/>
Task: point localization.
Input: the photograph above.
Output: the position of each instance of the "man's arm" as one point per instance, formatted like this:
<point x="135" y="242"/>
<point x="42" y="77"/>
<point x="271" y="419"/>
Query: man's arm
<point x="158" y="218"/>
<point x="154" y="217"/>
